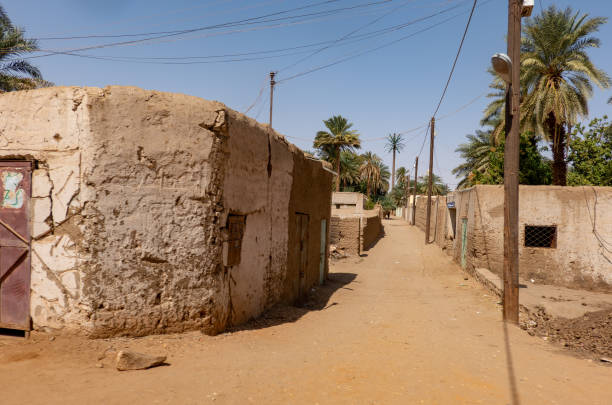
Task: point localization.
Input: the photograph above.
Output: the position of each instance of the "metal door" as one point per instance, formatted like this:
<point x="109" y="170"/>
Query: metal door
<point x="302" y="221"/>
<point x="323" y="251"/>
<point x="463" y="241"/>
<point x="15" y="179"/>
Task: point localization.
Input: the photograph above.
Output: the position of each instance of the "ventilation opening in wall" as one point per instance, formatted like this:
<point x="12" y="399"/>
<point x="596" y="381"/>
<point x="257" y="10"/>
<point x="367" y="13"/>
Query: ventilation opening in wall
<point x="541" y="236"/>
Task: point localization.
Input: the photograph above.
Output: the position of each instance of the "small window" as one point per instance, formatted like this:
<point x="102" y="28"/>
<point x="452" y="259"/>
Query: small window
<point x="235" y="227"/>
<point x="541" y="236"/>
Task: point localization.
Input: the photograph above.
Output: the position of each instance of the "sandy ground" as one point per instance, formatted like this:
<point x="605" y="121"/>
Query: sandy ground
<point x="398" y="326"/>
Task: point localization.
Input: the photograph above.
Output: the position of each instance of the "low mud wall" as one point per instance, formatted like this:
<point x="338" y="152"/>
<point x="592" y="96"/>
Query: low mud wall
<point x="371" y="230"/>
<point x="356" y="233"/>
<point x="345" y="234"/>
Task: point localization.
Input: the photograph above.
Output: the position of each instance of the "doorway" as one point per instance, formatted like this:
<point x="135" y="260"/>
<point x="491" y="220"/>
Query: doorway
<point x="15" y="185"/>
<point x="301" y="226"/>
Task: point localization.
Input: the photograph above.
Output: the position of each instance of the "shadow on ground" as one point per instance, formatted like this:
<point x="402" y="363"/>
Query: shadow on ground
<point x="318" y="299"/>
<point x="11" y="332"/>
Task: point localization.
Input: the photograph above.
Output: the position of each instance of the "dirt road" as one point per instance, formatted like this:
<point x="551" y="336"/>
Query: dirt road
<point x="398" y="326"/>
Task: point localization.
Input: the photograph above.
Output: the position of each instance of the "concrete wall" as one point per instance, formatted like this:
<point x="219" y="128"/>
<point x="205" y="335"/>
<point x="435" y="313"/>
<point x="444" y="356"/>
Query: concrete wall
<point x="130" y="205"/>
<point x="348" y="201"/>
<point x="581" y="258"/>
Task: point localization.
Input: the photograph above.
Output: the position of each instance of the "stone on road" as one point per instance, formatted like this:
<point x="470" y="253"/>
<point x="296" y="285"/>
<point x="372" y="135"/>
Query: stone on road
<point x="128" y="360"/>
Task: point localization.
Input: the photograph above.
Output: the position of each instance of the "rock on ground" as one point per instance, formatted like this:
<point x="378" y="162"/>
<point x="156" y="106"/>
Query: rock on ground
<point x="128" y="360"/>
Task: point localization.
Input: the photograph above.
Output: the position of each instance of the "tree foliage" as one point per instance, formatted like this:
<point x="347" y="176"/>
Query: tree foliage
<point x="590" y="154"/>
<point x="338" y="137"/>
<point x="558" y="76"/>
<point x="16" y="73"/>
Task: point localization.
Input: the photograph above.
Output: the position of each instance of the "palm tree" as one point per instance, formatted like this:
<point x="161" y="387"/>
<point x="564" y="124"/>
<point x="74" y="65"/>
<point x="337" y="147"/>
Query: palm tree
<point x="395" y="143"/>
<point x="350" y="163"/>
<point x="400" y="176"/>
<point x="370" y="170"/>
<point x="438" y="187"/>
<point x="382" y="183"/>
<point x="339" y="137"/>
<point x="558" y="76"/>
<point x="15" y="73"/>
<point x="475" y="153"/>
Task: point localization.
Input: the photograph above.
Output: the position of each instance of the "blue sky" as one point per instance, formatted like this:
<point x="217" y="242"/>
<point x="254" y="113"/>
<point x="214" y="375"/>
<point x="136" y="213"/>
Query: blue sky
<point x="393" y="89"/>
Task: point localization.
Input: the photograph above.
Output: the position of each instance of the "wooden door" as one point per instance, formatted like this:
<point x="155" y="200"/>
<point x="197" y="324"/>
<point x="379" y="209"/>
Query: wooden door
<point x="302" y="222"/>
<point x="15" y="179"/>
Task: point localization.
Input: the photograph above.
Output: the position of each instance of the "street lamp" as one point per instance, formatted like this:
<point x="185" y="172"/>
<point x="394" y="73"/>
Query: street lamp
<point x="502" y="65"/>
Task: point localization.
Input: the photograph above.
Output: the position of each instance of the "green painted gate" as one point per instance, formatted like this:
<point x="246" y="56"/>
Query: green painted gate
<point x="463" y="241"/>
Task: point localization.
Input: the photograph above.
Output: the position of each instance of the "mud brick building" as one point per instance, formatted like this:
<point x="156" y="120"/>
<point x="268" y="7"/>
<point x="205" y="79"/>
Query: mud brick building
<point x="131" y="212"/>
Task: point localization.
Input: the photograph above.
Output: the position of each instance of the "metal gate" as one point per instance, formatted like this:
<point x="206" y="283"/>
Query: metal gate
<point x="15" y="179"/>
<point x="463" y="241"/>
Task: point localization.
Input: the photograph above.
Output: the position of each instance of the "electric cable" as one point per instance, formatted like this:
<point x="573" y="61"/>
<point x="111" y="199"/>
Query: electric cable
<point x="450" y="76"/>
<point x="248" y="21"/>
<point x="353" y="39"/>
<point x="344" y="37"/>
<point x="92" y="36"/>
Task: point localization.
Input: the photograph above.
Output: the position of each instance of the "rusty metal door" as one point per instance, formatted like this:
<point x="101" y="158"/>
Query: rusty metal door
<point x="15" y="179"/>
<point x="302" y="222"/>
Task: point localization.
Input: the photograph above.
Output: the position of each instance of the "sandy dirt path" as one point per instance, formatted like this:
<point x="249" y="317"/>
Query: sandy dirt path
<point x="398" y="326"/>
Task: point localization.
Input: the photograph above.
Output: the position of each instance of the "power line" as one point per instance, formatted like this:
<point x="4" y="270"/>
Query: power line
<point x="370" y="50"/>
<point x="248" y="21"/>
<point x="343" y="37"/>
<point x="232" y="23"/>
<point x="263" y="87"/>
<point x="450" y="76"/>
<point x="352" y="39"/>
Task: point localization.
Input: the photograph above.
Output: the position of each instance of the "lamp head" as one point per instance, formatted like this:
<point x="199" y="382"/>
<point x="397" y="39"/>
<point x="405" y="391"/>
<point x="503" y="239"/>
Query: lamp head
<point x="502" y="65"/>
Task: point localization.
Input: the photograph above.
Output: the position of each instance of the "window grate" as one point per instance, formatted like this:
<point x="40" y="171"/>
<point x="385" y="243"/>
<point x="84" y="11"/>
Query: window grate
<point x="541" y="236"/>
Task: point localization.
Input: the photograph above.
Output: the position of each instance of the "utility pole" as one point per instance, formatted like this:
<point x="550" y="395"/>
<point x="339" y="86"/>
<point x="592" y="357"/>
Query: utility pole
<point x="416" y="171"/>
<point x="511" y="167"/>
<point x="272" y="83"/>
<point x="429" y="186"/>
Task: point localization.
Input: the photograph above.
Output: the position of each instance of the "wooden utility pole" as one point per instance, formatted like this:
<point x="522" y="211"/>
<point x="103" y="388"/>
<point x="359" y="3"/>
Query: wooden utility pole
<point x="272" y="83"/>
<point x="511" y="167"/>
<point x="430" y="182"/>
<point x="416" y="171"/>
